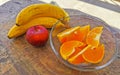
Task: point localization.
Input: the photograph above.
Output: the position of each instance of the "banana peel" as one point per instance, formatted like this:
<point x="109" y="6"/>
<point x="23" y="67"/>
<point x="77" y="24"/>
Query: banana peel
<point x="40" y="10"/>
<point x="47" y="22"/>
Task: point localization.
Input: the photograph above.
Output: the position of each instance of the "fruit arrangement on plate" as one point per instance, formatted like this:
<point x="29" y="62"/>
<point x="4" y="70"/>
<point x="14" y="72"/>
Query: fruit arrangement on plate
<point x="81" y="45"/>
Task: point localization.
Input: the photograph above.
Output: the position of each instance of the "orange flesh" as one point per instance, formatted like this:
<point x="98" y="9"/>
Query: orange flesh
<point x="68" y="48"/>
<point x="78" y="59"/>
<point x="77" y="33"/>
<point x="94" y="55"/>
<point x="79" y="45"/>
<point x="94" y="36"/>
<point x="66" y="34"/>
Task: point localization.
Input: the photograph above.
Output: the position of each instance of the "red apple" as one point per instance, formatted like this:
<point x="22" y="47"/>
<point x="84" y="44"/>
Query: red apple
<point x="37" y="35"/>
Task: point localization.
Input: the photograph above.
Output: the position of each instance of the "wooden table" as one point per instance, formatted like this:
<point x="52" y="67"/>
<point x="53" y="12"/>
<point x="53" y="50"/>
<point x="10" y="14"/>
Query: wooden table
<point x="17" y="57"/>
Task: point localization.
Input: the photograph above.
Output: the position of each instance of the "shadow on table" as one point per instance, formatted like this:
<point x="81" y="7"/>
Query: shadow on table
<point x="104" y="4"/>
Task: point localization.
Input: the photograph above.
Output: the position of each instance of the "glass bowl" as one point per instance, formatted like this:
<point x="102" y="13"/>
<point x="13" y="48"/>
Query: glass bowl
<point x="107" y="38"/>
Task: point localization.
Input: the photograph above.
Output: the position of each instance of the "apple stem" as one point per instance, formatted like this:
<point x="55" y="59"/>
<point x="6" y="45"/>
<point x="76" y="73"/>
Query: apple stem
<point x="35" y="28"/>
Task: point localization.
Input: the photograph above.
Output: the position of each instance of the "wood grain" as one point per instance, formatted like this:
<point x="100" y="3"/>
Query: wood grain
<point x="17" y="57"/>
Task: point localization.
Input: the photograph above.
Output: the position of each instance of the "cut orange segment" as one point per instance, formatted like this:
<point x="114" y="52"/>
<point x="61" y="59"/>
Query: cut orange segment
<point x="78" y="59"/>
<point x="93" y="36"/>
<point x="63" y="36"/>
<point x="81" y="33"/>
<point x="77" y="33"/>
<point x="68" y="48"/>
<point x="78" y="55"/>
<point x="94" y="55"/>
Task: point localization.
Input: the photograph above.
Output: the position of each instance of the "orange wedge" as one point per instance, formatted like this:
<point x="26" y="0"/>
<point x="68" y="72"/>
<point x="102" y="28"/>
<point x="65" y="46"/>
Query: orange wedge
<point x="94" y="55"/>
<point x="93" y="36"/>
<point x="78" y="59"/>
<point x="68" y="48"/>
<point x="64" y="36"/>
<point x="77" y="33"/>
<point x="81" y="33"/>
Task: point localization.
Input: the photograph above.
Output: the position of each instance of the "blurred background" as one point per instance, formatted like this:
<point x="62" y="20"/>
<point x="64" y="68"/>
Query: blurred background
<point x="107" y="10"/>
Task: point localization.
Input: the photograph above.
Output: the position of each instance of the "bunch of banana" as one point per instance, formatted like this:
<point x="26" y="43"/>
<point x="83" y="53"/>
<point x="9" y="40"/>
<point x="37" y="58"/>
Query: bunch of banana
<point x="40" y="10"/>
<point x="37" y="14"/>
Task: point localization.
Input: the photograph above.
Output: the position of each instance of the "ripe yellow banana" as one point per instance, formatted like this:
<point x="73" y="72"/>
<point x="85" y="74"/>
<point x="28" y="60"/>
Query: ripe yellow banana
<point x="40" y="10"/>
<point x="47" y="22"/>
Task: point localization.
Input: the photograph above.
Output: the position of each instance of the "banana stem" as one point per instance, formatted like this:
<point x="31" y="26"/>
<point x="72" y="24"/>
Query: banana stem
<point x="65" y="23"/>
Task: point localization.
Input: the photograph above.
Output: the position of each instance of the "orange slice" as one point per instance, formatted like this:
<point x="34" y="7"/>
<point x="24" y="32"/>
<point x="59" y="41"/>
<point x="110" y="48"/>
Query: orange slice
<point x="81" y="33"/>
<point x="78" y="59"/>
<point x="64" y="36"/>
<point x="93" y="36"/>
<point x="94" y="55"/>
<point x="77" y="33"/>
<point x="68" y="48"/>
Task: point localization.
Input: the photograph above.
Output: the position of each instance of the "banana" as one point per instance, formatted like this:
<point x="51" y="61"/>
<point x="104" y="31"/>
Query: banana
<point x="47" y="22"/>
<point x="40" y="10"/>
